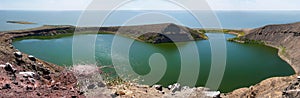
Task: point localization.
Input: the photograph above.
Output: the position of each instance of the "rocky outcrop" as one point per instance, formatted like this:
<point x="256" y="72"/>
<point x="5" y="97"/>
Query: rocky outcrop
<point x="293" y="90"/>
<point x="269" y="88"/>
<point x="22" y="76"/>
<point x="26" y="76"/>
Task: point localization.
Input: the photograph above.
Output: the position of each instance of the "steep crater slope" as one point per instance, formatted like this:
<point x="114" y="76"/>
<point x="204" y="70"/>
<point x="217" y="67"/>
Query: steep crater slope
<point x="285" y="37"/>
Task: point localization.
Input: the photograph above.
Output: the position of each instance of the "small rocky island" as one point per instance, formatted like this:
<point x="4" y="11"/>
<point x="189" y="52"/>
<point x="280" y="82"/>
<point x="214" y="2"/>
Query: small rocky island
<point x="20" y="22"/>
<point x="25" y="75"/>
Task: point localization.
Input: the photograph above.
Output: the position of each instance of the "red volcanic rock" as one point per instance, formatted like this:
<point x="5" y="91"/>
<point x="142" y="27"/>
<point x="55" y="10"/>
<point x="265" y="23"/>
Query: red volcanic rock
<point x="25" y="76"/>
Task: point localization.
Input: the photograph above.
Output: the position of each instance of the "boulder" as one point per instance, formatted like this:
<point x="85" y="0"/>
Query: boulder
<point x="175" y="87"/>
<point x="32" y="80"/>
<point x="27" y="74"/>
<point x="119" y="93"/>
<point x="32" y="58"/>
<point x="170" y="86"/>
<point x="213" y="94"/>
<point x="184" y="88"/>
<point x="9" y="67"/>
<point x="92" y="86"/>
<point x="6" y="86"/>
<point x="158" y="87"/>
<point x="18" y="54"/>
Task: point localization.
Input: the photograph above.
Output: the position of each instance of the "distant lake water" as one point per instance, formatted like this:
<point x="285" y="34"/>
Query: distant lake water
<point x="247" y="64"/>
<point x="228" y="19"/>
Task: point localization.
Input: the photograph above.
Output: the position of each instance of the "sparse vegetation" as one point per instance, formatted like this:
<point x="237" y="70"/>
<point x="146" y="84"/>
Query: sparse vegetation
<point x="282" y="50"/>
<point x="201" y="34"/>
<point x="246" y="41"/>
<point x="236" y="39"/>
<point x="112" y="81"/>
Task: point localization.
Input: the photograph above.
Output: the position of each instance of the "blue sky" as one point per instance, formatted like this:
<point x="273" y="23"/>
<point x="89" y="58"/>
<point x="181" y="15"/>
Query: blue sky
<point x="149" y="5"/>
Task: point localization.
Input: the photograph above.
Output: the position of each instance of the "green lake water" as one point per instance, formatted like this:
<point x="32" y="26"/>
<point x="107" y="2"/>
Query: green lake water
<point x="246" y="64"/>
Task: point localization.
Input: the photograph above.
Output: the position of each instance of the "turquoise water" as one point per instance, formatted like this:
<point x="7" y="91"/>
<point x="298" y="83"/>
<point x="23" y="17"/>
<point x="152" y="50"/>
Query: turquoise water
<point x="247" y="64"/>
<point x="228" y="19"/>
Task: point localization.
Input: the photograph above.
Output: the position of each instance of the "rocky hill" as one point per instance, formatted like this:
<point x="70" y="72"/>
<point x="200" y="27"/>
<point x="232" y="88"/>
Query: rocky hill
<point x="285" y="37"/>
<point x="161" y="33"/>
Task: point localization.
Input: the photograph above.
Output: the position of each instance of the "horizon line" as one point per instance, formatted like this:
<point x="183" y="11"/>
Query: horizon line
<point x="154" y="10"/>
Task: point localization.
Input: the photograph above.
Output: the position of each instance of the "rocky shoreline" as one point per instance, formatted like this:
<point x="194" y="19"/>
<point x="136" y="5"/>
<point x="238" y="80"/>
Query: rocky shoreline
<point x="16" y="84"/>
